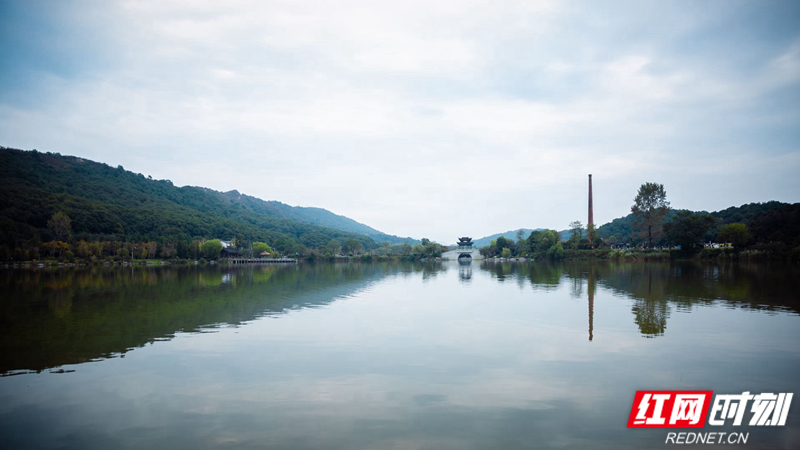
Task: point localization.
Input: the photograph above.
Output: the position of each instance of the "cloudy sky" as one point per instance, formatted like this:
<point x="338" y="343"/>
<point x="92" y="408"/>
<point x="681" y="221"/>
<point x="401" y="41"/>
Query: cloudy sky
<point x="431" y="118"/>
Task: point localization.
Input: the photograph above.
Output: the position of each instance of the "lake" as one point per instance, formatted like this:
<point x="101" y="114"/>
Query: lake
<point x="389" y="355"/>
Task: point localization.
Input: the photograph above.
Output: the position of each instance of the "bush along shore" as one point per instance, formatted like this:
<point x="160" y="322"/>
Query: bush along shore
<point x="763" y="253"/>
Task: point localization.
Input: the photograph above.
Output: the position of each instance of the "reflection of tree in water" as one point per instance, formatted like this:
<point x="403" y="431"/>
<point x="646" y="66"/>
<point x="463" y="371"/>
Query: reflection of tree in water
<point x="545" y="276"/>
<point x="430" y="270"/>
<point x="465" y="270"/>
<point x="651" y="317"/>
<point x="500" y="270"/>
<point x="650" y="308"/>
<point x="65" y="316"/>
<point x="657" y="288"/>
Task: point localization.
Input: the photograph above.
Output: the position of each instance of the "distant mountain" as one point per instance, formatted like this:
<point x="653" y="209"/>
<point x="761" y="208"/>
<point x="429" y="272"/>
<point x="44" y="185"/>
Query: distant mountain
<point x="115" y="204"/>
<point x="325" y="218"/>
<point x="512" y="234"/>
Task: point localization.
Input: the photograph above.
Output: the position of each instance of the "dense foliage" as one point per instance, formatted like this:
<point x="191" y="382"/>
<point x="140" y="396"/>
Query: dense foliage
<point x="768" y="222"/>
<point x="650" y="208"/>
<point x="539" y="244"/>
<point x="511" y="234"/>
<point x="39" y="190"/>
<point x="688" y="229"/>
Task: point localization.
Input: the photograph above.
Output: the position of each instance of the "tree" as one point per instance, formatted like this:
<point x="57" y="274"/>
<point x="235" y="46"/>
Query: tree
<point x="556" y="252"/>
<point x="60" y="225"/>
<point x="576" y="230"/>
<point x="433" y="249"/>
<point x="735" y="233"/>
<point x="151" y="247"/>
<point x="687" y="230"/>
<point x="210" y="249"/>
<point x="194" y="249"/>
<point x="501" y="243"/>
<point x="351" y="246"/>
<point x="591" y="234"/>
<point x="650" y="208"/>
<point x="542" y="241"/>
<point x="168" y="251"/>
<point x="506" y="252"/>
<point x="82" y="249"/>
<point x="261" y="247"/>
<point x="333" y="247"/>
<point x="56" y="248"/>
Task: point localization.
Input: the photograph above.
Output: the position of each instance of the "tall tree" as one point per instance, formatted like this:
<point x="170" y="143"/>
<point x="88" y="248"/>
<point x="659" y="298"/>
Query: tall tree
<point x="576" y="230"/>
<point x="650" y="208"/>
<point x="60" y="225"/>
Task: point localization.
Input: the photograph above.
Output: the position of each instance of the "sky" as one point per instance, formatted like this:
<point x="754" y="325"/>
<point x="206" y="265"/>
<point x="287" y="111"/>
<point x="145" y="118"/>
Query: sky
<point x="424" y="119"/>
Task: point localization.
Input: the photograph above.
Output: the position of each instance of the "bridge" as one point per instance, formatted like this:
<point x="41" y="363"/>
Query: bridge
<point x="454" y="254"/>
<point x="464" y="250"/>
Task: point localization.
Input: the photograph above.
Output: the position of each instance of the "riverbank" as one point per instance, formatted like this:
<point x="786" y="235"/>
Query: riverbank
<point x="754" y="254"/>
<point x="48" y="263"/>
<point x="763" y="253"/>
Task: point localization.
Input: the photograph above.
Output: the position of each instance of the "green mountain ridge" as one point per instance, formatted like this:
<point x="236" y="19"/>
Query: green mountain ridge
<point x="511" y="234"/>
<point x="115" y="204"/>
<point x="755" y="215"/>
<point x="772" y="221"/>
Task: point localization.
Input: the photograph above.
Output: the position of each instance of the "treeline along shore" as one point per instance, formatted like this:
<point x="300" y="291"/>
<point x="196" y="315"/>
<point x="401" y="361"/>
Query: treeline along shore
<point x="58" y="209"/>
<point x="654" y="231"/>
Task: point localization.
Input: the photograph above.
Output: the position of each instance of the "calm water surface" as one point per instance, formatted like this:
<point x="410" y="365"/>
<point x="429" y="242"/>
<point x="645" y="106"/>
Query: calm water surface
<point x="364" y="356"/>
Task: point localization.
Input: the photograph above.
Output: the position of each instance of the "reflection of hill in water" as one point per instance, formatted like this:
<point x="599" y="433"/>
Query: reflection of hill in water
<point x="50" y="318"/>
<point x="763" y="287"/>
<point x="656" y="286"/>
<point x="54" y="317"/>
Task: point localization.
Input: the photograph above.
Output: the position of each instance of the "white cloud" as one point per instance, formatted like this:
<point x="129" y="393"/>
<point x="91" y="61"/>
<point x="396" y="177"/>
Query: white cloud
<point x="395" y="113"/>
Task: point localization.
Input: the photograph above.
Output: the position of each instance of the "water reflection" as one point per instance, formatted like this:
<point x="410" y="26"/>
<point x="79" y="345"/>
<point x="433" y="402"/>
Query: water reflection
<point x="658" y="287"/>
<point x="465" y="270"/>
<point x="591" y="287"/>
<point x="54" y="317"/>
<point x="384" y="355"/>
<point x="49" y="318"/>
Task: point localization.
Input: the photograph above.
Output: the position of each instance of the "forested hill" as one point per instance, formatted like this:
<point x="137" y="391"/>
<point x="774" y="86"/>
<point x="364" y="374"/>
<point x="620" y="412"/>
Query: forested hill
<point x="317" y="216"/>
<point x="512" y="235"/>
<point x="773" y="221"/>
<point x="115" y="204"/>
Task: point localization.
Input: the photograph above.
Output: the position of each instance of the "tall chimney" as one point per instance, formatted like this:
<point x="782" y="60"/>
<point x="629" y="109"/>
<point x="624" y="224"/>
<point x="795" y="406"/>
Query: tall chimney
<point x="591" y="218"/>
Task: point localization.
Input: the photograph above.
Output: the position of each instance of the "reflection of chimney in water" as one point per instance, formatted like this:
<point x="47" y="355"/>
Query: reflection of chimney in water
<point x="591" y="302"/>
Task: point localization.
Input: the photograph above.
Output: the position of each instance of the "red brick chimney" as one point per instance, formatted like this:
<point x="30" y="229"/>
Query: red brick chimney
<point x="591" y="218"/>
